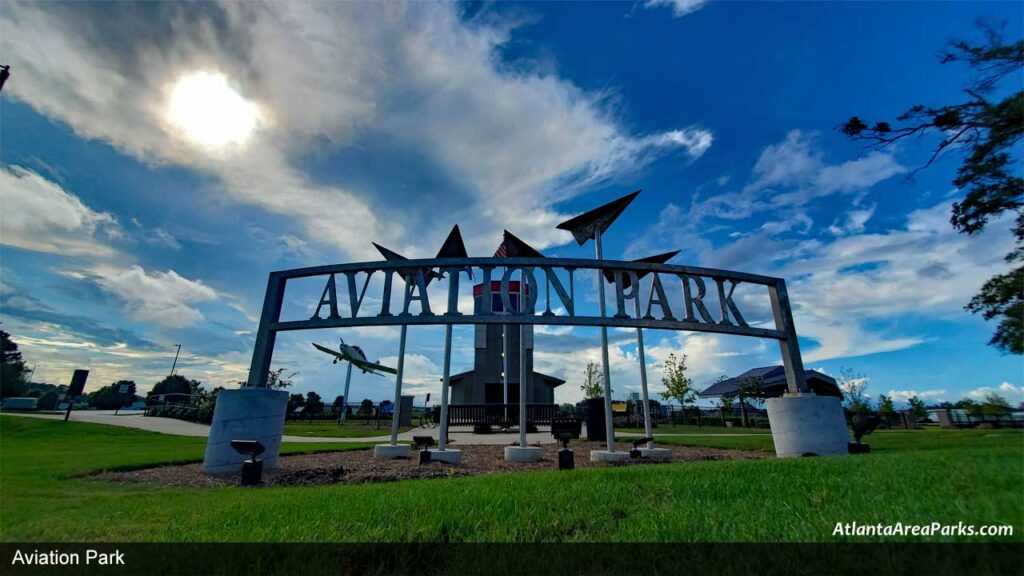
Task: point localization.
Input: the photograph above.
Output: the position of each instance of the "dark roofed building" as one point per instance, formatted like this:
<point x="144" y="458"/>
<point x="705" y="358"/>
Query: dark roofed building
<point x="483" y="384"/>
<point x="773" y="380"/>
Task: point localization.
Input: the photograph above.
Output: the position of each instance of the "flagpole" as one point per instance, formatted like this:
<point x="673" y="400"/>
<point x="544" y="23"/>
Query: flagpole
<point x="522" y="363"/>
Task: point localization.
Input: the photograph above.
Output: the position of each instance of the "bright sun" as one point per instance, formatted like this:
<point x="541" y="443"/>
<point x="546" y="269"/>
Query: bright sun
<point x="210" y="112"/>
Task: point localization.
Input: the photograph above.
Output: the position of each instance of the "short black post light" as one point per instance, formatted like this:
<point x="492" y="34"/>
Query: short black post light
<point x="635" y="451"/>
<point x="425" y="442"/>
<point x="252" y="469"/>
<point x="564" y="430"/>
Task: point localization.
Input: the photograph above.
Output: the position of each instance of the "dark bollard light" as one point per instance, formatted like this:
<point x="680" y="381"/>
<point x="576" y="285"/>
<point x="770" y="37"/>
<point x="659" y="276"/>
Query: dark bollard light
<point x="565" y="429"/>
<point x="635" y="451"/>
<point x="426" y="442"/>
<point x="252" y="469"/>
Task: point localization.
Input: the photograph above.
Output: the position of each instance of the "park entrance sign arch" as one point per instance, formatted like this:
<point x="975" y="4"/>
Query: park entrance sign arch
<point x="520" y="287"/>
<point x="673" y="298"/>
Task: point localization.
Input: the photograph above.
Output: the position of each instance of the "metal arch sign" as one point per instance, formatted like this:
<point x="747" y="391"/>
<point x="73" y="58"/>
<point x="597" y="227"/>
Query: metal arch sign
<point x="706" y="296"/>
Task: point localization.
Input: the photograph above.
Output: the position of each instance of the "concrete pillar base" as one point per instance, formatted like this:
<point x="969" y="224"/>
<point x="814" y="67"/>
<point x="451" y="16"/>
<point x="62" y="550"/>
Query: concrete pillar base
<point x="522" y="453"/>
<point x="448" y="455"/>
<point x="804" y="424"/>
<point x="656" y="453"/>
<point x="607" y="456"/>
<point x="245" y="414"/>
<point x="391" y="451"/>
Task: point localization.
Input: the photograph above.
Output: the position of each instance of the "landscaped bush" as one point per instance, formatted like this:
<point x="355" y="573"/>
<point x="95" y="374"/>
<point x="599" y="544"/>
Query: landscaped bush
<point x="48" y="401"/>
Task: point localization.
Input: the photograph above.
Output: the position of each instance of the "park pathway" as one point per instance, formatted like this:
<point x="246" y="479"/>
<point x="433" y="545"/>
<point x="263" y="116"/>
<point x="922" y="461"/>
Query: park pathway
<point x="135" y="419"/>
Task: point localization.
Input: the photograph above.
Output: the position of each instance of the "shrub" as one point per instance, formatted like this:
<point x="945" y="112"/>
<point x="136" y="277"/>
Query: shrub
<point x="48" y="401"/>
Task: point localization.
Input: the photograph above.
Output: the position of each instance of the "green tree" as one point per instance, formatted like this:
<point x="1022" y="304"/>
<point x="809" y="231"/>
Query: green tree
<point x="886" y="407"/>
<point x="677" y="385"/>
<point x="969" y="405"/>
<point x="314" y="404"/>
<point x="854" y="386"/>
<point x="12" y="368"/>
<point x="110" y="397"/>
<point x="994" y="404"/>
<point x="726" y="405"/>
<point x="277" y="380"/>
<point x="295" y="401"/>
<point x="48" y="401"/>
<point x="917" y="408"/>
<point x="593" y="382"/>
<point x="986" y="132"/>
<point x="365" y="407"/>
<point x="177" y="385"/>
<point x="749" y="391"/>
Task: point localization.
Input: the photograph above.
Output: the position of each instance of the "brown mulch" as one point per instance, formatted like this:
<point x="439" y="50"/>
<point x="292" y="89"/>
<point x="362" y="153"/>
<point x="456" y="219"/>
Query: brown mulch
<point x="359" y="466"/>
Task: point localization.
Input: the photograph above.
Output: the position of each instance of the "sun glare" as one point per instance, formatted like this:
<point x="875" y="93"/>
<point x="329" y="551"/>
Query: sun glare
<point x="210" y="112"/>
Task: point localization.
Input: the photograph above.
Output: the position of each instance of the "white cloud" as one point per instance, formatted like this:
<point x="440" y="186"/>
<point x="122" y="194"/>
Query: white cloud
<point x="37" y="214"/>
<point x="855" y="222"/>
<point x="792" y="173"/>
<point x="679" y="8"/>
<point x="162" y="297"/>
<point x="327" y="77"/>
<point x="902" y="396"/>
<point x="1013" y="394"/>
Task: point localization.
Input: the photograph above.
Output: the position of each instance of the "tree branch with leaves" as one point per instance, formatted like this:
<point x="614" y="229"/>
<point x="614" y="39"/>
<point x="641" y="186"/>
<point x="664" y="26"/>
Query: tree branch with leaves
<point x="987" y="132"/>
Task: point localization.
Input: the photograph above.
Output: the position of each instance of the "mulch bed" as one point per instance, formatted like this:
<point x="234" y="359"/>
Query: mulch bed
<point x="359" y="466"/>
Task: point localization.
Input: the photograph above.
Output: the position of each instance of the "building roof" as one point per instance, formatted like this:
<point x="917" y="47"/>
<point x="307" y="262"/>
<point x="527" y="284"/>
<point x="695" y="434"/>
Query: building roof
<point x="469" y="373"/>
<point x="774" y="381"/>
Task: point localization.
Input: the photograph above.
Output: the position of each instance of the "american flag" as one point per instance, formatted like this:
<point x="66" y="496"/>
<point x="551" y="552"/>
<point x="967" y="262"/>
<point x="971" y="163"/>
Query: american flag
<point x="502" y="250"/>
<point x="513" y="247"/>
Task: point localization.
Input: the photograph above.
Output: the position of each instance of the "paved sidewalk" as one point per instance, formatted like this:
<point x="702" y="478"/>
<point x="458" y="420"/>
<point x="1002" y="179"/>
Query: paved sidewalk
<point x="135" y="419"/>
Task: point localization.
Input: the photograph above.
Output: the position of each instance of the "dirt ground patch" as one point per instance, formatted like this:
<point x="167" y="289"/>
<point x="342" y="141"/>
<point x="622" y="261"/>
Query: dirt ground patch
<point x="359" y="466"/>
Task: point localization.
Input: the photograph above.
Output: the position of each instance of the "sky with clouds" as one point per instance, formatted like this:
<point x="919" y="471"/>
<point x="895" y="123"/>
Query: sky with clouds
<point x="125" y="232"/>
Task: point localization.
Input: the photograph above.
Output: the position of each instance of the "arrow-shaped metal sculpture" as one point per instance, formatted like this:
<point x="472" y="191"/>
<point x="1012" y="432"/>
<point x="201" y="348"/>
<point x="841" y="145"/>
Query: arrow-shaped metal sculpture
<point x="592" y="224"/>
<point x="589" y="225"/>
<point x="453" y="247"/>
<point x="627" y="281"/>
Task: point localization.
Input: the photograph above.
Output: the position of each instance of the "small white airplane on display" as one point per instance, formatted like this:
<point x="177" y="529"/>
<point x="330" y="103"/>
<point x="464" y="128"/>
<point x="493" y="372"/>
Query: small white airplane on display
<point x="355" y="355"/>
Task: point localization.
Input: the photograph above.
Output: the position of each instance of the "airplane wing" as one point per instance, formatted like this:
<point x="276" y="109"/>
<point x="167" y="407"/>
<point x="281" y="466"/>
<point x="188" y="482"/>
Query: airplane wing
<point x="361" y="364"/>
<point x="371" y="367"/>
<point x="334" y="353"/>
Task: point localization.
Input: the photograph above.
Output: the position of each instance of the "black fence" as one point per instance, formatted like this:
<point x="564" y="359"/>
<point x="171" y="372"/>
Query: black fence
<point x="499" y="415"/>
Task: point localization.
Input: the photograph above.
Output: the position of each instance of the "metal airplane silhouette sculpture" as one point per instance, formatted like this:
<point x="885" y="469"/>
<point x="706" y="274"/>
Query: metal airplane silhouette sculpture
<point x="355" y="355"/>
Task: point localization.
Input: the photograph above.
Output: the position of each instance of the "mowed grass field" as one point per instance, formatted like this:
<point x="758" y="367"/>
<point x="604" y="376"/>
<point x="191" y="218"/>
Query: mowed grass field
<point x="332" y="430"/>
<point x="914" y="477"/>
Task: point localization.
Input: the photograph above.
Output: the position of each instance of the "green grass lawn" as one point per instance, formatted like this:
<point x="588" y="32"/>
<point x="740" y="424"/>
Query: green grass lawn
<point x="703" y="430"/>
<point x="332" y="430"/>
<point x="911" y="477"/>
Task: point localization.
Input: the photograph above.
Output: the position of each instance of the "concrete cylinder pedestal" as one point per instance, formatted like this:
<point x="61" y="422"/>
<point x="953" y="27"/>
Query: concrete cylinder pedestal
<point x="807" y="424"/>
<point x="522" y="453"/>
<point x="391" y="451"/>
<point x="245" y="414"/>
<point x="447" y="455"/>
<point x="656" y="453"/>
<point x="607" y="456"/>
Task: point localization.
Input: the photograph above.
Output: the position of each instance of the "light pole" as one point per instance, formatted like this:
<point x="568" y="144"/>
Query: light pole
<point x="587" y="226"/>
<point x="175" y="364"/>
